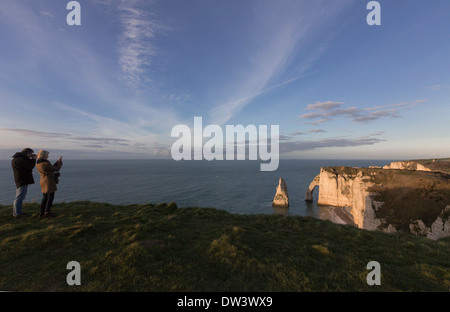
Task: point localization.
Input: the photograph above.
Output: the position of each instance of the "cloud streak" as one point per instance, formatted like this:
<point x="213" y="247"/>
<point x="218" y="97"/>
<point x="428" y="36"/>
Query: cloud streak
<point x="84" y="141"/>
<point x="136" y="48"/>
<point x="326" y="111"/>
<point x="439" y="87"/>
<point x="222" y="113"/>
<point x="300" y="146"/>
<point x="283" y="43"/>
<point x="316" y="131"/>
<point x="35" y="133"/>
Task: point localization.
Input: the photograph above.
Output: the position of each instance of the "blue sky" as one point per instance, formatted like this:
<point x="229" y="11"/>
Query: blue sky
<point x="115" y="86"/>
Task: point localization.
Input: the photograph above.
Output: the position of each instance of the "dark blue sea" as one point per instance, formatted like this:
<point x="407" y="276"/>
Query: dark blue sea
<point x="235" y="186"/>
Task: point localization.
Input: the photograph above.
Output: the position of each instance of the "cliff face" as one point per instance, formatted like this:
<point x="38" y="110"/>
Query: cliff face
<point x="388" y="200"/>
<point x="406" y="165"/>
<point x="441" y="227"/>
<point x="349" y="188"/>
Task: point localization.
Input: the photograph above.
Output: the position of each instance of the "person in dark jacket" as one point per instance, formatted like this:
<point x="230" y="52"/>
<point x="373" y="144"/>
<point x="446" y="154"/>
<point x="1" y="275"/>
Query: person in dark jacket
<point x="22" y="164"/>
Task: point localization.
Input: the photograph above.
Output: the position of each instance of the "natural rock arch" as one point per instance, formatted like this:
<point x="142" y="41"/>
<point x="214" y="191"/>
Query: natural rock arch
<point x="312" y="186"/>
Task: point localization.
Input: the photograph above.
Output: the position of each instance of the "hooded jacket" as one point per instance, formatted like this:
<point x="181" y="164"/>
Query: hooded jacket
<point x="23" y="169"/>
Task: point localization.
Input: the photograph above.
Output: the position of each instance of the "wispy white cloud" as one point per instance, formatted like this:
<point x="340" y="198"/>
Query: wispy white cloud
<point x="48" y="54"/>
<point x="326" y="110"/>
<point x="47" y="14"/>
<point x="96" y="102"/>
<point x="72" y="141"/>
<point x="296" y="24"/>
<point x="439" y="87"/>
<point x="317" y="131"/>
<point x="134" y="132"/>
<point x="136" y="46"/>
<point x="28" y="132"/>
<point x="222" y="113"/>
<point x="324" y="106"/>
<point x="103" y="2"/>
<point x="305" y="145"/>
<point x="318" y="122"/>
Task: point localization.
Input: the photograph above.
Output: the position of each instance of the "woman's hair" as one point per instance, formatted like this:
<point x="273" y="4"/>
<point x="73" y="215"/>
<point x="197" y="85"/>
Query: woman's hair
<point x="43" y="154"/>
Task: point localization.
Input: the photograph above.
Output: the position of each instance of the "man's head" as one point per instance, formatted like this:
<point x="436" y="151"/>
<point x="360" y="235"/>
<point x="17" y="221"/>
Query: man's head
<point x="28" y="151"/>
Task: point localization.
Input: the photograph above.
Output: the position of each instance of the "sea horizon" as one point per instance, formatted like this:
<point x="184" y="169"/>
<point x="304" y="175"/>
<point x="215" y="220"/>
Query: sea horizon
<point x="235" y="186"/>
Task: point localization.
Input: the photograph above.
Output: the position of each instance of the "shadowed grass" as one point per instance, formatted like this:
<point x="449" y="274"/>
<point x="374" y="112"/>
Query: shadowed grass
<point x="164" y="248"/>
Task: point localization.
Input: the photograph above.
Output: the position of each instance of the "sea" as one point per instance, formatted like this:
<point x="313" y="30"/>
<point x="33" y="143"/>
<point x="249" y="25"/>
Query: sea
<point x="238" y="187"/>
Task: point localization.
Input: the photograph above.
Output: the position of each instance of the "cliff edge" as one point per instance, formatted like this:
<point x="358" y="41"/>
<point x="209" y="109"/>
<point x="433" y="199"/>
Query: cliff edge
<point x="409" y="200"/>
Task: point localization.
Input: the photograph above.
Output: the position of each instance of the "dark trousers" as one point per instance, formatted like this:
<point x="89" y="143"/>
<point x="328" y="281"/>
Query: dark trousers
<point x="47" y="201"/>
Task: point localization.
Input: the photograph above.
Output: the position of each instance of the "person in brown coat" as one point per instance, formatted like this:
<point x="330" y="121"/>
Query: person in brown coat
<point x="48" y="182"/>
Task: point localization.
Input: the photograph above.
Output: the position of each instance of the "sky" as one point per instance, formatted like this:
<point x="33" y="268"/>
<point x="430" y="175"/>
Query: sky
<point x="115" y="86"/>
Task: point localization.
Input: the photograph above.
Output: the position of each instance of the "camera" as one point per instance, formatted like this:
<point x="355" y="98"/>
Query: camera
<point x="56" y="176"/>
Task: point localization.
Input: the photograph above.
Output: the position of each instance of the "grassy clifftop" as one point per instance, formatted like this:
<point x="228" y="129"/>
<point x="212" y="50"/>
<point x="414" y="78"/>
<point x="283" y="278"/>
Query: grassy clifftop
<point x="412" y="195"/>
<point x="164" y="248"/>
<point x="441" y="164"/>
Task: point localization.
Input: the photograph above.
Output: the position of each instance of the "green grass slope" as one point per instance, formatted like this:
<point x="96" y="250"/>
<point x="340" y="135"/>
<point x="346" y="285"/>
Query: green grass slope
<point x="162" y="248"/>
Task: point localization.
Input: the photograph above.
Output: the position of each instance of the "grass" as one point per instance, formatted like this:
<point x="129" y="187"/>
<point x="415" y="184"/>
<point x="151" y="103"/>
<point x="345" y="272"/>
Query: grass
<point x="162" y="248"/>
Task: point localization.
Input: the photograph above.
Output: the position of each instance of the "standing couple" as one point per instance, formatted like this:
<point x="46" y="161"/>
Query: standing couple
<point x="23" y="164"/>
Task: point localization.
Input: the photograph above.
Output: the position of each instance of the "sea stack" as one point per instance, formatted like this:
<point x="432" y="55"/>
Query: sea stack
<point x="281" y="198"/>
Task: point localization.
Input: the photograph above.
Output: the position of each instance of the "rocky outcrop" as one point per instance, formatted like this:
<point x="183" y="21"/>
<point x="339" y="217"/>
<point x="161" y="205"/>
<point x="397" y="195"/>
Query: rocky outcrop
<point x="359" y="189"/>
<point x="406" y="165"/>
<point x="281" y="198"/>
<point x="312" y="186"/>
<point x="441" y="227"/>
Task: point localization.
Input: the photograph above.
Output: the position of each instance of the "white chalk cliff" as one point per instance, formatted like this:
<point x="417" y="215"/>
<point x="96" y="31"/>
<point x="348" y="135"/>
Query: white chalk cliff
<point x="406" y="165"/>
<point x="347" y="190"/>
<point x="441" y="227"/>
<point x="349" y="187"/>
